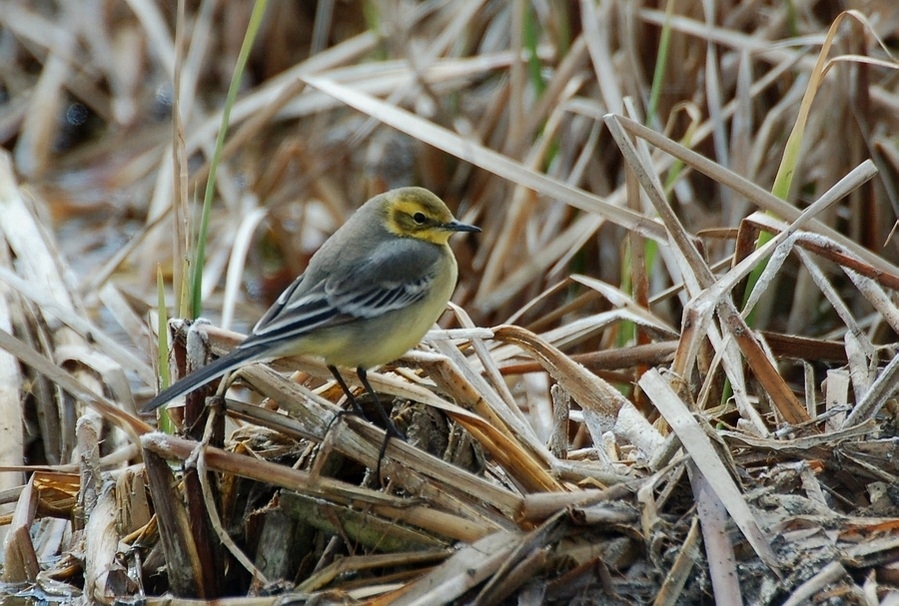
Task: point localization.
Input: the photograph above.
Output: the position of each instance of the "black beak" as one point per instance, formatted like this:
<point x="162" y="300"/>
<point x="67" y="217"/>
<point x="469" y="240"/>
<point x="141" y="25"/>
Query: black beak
<point x="459" y="226"/>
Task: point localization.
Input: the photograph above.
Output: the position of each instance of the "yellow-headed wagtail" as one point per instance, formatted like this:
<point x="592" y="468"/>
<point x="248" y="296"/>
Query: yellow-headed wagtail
<point x="368" y="295"/>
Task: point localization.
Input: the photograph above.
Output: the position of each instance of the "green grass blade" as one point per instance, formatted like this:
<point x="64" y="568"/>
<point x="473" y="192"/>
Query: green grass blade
<point x="658" y="75"/>
<point x="531" y="40"/>
<point x="162" y="348"/>
<point x="791" y="156"/>
<point x="196" y="304"/>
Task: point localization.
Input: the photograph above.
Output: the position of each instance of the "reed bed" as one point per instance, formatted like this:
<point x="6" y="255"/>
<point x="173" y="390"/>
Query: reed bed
<point x="668" y="373"/>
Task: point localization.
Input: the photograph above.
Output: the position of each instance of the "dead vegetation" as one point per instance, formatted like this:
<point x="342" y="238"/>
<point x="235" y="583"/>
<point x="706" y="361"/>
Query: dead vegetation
<point x="669" y="374"/>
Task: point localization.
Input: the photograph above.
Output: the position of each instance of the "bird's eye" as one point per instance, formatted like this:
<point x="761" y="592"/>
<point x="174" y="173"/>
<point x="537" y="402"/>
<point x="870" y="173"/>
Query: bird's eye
<point x="419" y="218"/>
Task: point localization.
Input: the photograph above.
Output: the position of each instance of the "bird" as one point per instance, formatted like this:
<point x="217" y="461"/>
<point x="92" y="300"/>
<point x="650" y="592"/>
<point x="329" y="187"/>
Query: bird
<point x="367" y="296"/>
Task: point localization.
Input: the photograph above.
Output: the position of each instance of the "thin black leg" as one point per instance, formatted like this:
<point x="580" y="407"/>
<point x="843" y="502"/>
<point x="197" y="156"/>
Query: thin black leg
<point x="346" y="390"/>
<point x="390" y="429"/>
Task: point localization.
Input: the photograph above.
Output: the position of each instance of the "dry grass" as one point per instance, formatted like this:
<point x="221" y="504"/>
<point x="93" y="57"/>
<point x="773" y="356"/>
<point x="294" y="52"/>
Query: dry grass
<point x="669" y="373"/>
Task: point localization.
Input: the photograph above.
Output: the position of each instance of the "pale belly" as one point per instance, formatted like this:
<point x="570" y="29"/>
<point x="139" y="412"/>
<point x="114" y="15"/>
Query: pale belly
<point x="374" y="341"/>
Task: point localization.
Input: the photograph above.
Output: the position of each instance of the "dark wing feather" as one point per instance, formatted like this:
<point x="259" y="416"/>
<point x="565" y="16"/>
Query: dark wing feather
<point x="375" y="299"/>
<point x="310" y="304"/>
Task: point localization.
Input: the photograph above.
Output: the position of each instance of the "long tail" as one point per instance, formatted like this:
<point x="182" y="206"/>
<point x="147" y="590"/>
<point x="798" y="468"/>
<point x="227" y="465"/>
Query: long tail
<point x="203" y="376"/>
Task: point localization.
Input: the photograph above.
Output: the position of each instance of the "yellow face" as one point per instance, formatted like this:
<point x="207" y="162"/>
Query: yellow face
<point x="417" y="213"/>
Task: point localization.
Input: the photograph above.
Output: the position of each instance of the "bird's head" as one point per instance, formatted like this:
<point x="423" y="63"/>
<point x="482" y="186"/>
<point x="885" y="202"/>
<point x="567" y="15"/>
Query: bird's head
<point x="414" y="212"/>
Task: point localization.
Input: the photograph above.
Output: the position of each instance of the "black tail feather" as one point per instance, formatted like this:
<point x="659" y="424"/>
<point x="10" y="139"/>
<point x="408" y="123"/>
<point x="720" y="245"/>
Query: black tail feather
<point x="202" y="376"/>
